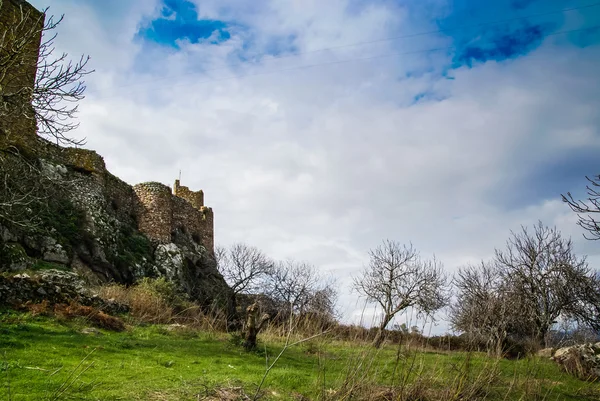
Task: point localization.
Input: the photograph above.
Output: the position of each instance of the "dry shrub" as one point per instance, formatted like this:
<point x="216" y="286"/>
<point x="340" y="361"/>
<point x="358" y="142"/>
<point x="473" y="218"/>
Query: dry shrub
<point x="227" y="394"/>
<point x="157" y="301"/>
<point x="41" y="308"/>
<point x="73" y="310"/>
<point x="93" y="315"/>
<point x="145" y="305"/>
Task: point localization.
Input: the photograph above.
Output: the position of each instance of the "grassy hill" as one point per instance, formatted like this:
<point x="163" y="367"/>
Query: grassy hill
<point x="43" y="358"/>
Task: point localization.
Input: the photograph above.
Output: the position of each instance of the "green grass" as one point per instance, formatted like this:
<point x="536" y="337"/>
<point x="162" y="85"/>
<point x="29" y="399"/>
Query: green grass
<point x="40" y="357"/>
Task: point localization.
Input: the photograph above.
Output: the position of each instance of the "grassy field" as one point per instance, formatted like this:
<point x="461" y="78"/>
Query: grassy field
<point x="46" y="359"/>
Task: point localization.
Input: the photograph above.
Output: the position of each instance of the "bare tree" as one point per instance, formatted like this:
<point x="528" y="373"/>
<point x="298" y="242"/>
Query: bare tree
<point x="485" y="307"/>
<point x="544" y="275"/>
<point x="58" y="85"/>
<point x="293" y="284"/>
<point x="242" y="266"/>
<point x="586" y="310"/>
<point x="397" y="278"/>
<point x="587" y="209"/>
<point x="322" y="303"/>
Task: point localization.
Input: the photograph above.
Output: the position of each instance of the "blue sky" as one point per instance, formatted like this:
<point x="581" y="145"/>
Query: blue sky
<point x="178" y="20"/>
<point x="317" y="129"/>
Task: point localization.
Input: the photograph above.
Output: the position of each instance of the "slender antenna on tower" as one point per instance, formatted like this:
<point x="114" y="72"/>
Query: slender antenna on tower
<point x="179" y="175"/>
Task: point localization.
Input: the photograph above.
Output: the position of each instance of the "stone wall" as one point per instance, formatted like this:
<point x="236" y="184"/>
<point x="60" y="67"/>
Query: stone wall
<point x="123" y="199"/>
<point x="186" y="219"/>
<point x="84" y="160"/>
<point x="18" y="20"/>
<point x="207" y="227"/>
<point x="155" y="211"/>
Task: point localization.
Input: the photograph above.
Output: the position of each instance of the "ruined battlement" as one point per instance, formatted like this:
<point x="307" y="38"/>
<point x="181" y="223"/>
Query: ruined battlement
<point x="195" y="198"/>
<point x="162" y="213"/>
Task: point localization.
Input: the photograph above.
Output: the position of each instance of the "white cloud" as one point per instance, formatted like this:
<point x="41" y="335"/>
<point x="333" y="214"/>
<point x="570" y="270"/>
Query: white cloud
<point x="322" y="163"/>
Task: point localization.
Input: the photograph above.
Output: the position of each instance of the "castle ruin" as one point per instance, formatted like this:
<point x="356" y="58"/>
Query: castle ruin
<point x="163" y="214"/>
<point x="160" y="213"/>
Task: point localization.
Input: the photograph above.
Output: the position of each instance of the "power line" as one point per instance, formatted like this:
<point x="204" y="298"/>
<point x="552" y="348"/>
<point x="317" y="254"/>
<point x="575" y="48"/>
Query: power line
<point x="362" y="59"/>
<point x="407" y="36"/>
<point x="412" y="35"/>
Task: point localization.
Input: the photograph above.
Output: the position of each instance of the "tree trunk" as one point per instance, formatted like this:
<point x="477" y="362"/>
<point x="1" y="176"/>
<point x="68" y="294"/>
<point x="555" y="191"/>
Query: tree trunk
<point x="253" y="326"/>
<point x="380" y="336"/>
<point x="233" y="318"/>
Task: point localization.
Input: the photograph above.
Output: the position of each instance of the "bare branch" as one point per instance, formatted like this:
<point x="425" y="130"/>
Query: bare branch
<point x="586" y="209"/>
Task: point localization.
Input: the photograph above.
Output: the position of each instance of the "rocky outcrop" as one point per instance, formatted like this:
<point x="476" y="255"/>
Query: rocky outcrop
<point x="582" y="360"/>
<point x="88" y="224"/>
<point x="52" y="286"/>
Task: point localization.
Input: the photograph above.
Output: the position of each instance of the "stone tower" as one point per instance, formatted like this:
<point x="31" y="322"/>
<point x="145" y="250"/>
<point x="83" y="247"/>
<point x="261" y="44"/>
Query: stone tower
<point x="19" y="20"/>
<point x="162" y="214"/>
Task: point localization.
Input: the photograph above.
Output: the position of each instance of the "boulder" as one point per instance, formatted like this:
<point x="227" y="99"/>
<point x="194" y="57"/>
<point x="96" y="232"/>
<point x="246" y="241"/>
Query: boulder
<point x="546" y="353"/>
<point x="91" y="331"/>
<point x="582" y="360"/>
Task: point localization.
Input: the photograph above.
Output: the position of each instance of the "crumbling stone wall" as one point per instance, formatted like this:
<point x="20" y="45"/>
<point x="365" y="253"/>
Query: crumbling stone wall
<point x="84" y="160"/>
<point x="17" y="18"/>
<point x="186" y="219"/>
<point x="195" y="198"/>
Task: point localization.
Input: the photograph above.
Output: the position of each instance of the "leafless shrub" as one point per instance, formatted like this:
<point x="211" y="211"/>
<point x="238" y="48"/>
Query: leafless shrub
<point x="483" y="308"/>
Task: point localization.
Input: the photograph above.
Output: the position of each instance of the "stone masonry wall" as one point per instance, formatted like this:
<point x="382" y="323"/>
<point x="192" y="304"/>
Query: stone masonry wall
<point x="155" y="211"/>
<point x="186" y="219"/>
<point x="17" y="20"/>
<point x="207" y="227"/>
<point x="18" y="17"/>
<point x="123" y="199"/>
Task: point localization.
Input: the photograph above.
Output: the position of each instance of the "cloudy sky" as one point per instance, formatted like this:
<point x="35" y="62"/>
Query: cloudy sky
<point x="319" y="128"/>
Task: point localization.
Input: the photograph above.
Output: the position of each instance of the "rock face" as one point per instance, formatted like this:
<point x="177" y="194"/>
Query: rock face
<point x="61" y="207"/>
<point x="582" y="361"/>
<point x="90" y="225"/>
